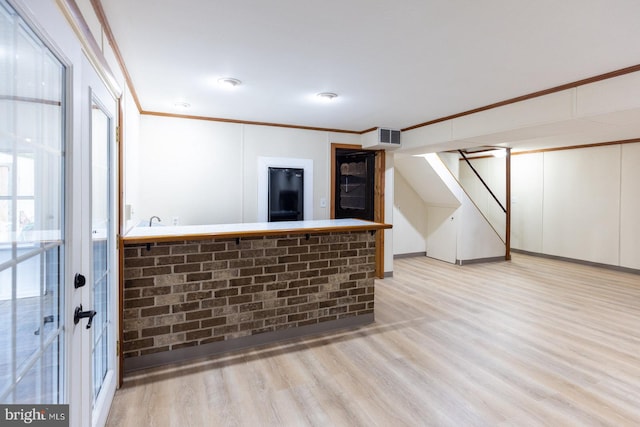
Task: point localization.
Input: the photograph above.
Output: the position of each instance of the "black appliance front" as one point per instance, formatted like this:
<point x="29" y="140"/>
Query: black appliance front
<point x="286" y="194"/>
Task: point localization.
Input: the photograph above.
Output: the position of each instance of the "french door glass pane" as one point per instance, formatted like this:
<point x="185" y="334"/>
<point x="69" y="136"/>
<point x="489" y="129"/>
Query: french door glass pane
<point x="31" y="215"/>
<point x="102" y="243"/>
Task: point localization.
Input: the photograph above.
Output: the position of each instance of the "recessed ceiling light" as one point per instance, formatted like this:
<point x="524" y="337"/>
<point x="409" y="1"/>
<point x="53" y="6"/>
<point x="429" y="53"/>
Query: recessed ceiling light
<point x="327" y="96"/>
<point x="229" y="82"/>
<point x="184" y="105"/>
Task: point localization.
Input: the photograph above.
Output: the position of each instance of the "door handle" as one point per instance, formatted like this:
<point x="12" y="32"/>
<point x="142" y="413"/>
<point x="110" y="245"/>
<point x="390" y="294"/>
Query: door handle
<point x="79" y="314"/>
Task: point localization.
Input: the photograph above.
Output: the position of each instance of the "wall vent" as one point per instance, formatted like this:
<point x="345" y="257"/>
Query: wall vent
<point x="381" y="139"/>
<point x="388" y="136"/>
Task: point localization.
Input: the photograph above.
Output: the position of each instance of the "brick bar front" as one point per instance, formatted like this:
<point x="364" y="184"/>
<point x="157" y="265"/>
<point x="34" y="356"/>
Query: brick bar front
<point x="186" y="298"/>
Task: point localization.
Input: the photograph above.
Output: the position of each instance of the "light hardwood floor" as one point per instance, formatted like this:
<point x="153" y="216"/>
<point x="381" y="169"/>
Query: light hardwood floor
<point x="531" y="342"/>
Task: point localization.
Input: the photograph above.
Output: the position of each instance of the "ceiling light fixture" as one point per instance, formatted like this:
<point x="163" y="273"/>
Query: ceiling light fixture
<point x="327" y="96"/>
<point x="229" y="82"/>
<point x="499" y="153"/>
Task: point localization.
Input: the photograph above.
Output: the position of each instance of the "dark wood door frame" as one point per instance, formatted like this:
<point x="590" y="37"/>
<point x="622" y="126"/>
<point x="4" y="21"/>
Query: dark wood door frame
<point x="378" y="202"/>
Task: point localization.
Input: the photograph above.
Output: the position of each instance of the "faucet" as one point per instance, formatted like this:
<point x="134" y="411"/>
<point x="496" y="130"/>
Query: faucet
<point x="151" y="219"/>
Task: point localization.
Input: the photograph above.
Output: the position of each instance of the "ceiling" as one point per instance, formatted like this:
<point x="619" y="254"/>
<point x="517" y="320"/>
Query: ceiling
<point x="393" y="63"/>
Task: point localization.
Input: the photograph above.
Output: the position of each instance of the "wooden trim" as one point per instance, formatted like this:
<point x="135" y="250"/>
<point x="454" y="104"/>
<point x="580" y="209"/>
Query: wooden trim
<point x="371" y="226"/>
<point x="244" y="122"/>
<point x="378" y="209"/>
<point x="120" y="353"/>
<point x="368" y="130"/>
<point x="461" y="159"/>
<point x="575" y="147"/>
<point x="600" y="77"/>
<point x="507" y="234"/>
<point x="102" y="18"/>
<point x="569" y="147"/>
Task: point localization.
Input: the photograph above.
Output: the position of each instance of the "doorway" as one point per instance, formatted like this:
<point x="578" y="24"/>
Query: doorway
<point x="344" y="154"/>
<point x="354" y="184"/>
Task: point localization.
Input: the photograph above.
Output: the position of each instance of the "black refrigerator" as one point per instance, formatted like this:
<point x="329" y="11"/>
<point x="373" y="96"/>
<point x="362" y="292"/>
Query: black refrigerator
<point x="286" y="194"/>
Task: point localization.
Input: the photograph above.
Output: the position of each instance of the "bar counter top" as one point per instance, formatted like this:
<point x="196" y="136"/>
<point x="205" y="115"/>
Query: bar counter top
<point x="201" y="232"/>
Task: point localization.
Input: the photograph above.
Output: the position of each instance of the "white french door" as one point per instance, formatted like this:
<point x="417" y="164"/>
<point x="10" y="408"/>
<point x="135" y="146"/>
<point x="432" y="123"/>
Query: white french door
<point x="33" y="238"/>
<point x="58" y="255"/>
<point x="95" y="302"/>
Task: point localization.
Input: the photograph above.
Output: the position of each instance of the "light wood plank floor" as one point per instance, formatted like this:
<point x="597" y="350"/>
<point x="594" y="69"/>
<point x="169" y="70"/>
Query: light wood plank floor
<point x="531" y="342"/>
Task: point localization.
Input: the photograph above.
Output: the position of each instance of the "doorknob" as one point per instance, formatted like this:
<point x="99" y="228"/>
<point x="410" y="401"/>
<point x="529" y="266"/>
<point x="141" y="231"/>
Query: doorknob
<point x="79" y="314"/>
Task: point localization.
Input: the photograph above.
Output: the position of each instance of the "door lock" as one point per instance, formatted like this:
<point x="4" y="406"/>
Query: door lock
<point x="79" y="314"/>
<point x="79" y="281"/>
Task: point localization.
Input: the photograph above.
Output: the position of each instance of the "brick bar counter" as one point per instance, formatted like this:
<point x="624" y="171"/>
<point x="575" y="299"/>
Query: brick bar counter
<point x="192" y="291"/>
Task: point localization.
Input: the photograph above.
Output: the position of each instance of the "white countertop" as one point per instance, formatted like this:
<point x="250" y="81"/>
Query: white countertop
<point x="255" y="228"/>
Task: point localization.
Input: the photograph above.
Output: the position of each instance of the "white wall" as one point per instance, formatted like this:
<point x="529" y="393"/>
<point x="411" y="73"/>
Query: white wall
<point x="266" y="141"/>
<point x="493" y="172"/>
<point x="527" y="193"/>
<point x="582" y="204"/>
<point x="191" y="170"/>
<point x="205" y="172"/>
<point x="389" y="184"/>
<point x="630" y="207"/>
<point x="130" y="160"/>
<point x="442" y="233"/>
<point x="409" y="218"/>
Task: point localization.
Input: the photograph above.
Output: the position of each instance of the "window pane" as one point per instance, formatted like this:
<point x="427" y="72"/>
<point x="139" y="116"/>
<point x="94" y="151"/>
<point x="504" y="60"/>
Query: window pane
<point x="27" y="390"/>
<point x="41" y="383"/>
<point x="6" y="320"/>
<point x="5" y="174"/>
<point x="52" y="289"/>
<point x="27" y="308"/>
<point x="25" y="171"/>
<point x="100" y="215"/>
<point x="26" y="217"/>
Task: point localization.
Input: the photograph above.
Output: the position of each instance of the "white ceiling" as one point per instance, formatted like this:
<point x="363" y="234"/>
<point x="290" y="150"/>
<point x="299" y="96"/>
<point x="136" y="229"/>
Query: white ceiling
<point x="393" y="63"/>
